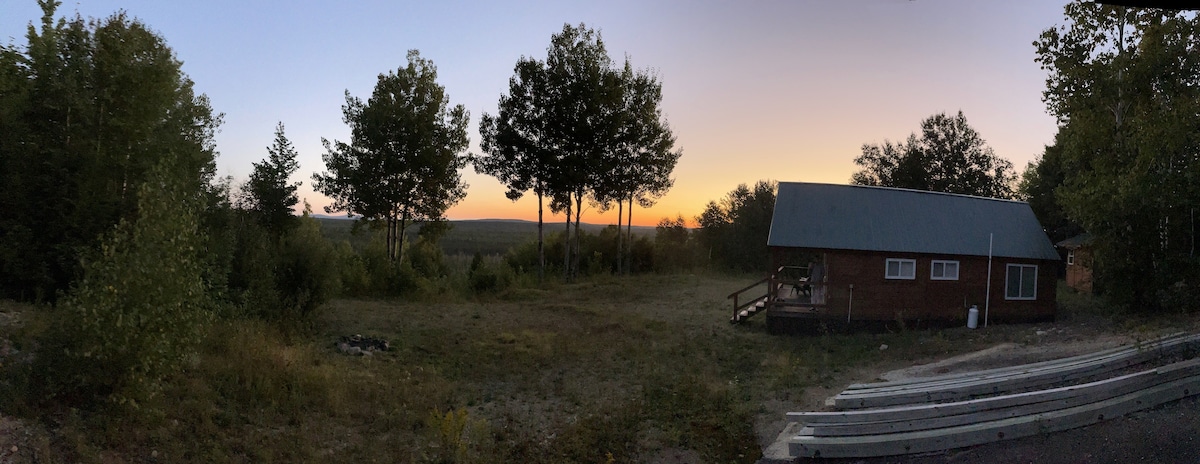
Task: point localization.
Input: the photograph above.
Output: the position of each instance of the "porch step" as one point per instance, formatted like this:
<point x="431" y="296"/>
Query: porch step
<point x="757" y="307"/>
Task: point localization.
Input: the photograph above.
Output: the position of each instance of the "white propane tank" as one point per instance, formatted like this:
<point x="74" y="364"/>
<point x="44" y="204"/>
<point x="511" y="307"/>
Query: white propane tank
<point x="973" y="317"/>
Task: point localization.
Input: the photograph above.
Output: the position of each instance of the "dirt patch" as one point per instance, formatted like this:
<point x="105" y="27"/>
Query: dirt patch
<point x="14" y="440"/>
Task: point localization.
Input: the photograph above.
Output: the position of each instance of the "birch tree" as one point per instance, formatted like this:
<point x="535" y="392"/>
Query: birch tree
<point x="407" y="146"/>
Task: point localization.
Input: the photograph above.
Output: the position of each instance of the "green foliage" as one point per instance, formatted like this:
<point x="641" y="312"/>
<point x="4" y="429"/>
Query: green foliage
<point x="140" y="308"/>
<point x="268" y="194"/>
<point x="405" y="152"/>
<point x="597" y="252"/>
<point x="252" y="271"/>
<point x="1039" y="183"/>
<point x="676" y="248"/>
<point x="733" y="233"/>
<point x="949" y="156"/>
<point x="574" y="126"/>
<point x="489" y="275"/>
<point x="1122" y="84"/>
<point x="89" y="107"/>
<point x="307" y="274"/>
<point x="286" y="278"/>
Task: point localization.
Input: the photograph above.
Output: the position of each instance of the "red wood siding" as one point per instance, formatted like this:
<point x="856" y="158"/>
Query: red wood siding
<point x="878" y="298"/>
<point x="1079" y="274"/>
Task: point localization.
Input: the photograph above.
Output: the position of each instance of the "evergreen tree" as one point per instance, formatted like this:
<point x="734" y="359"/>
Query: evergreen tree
<point x="268" y="193"/>
<point x="734" y="231"/>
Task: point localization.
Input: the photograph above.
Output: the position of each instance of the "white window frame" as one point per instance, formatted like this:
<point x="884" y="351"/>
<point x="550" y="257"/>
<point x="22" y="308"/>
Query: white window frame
<point x="887" y="266"/>
<point x="1022" y="268"/>
<point x="1070" y="257"/>
<point x="945" y="263"/>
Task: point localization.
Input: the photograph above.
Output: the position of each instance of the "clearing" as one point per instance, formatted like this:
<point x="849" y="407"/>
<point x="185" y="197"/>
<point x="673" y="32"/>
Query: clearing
<point x="638" y="369"/>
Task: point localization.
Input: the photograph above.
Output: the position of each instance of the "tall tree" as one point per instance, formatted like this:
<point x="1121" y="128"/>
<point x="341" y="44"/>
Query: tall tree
<point x="88" y="107"/>
<point x="1038" y="187"/>
<point x="556" y="129"/>
<point x="405" y="152"/>
<point x="582" y="93"/>
<point x="268" y="193"/>
<point x="641" y="158"/>
<point x="514" y="142"/>
<point x="573" y="126"/>
<point x="1124" y="84"/>
<point x="949" y="156"/>
<point x="734" y="230"/>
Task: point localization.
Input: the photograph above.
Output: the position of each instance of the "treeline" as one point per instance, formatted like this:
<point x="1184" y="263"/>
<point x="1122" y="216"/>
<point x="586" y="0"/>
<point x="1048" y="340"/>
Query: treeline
<point x="1123" y="166"/>
<point x="113" y="217"/>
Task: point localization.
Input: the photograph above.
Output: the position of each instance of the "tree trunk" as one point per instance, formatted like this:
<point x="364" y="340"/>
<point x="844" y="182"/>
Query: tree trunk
<point x="541" y="243"/>
<point x="389" y="240"/>
<point x="576" y="248"/>
<point x="567" y="245"/>
<point x="400" y="239"/>
<point x="629" y="237"/>
<point x="620" y="216"/>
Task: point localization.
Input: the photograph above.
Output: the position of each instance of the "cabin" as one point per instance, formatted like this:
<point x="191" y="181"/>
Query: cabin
<point x="863" y="255"/>
<point x="1079" y="262"/>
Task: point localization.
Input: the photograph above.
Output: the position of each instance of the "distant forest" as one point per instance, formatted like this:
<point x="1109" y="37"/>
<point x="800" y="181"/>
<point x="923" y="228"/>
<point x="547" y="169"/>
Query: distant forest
<point x="484" y="236"/>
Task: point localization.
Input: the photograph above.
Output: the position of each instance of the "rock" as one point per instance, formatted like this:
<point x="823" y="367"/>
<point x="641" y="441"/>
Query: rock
<point x="357" y="344"/>
<point x="883" y="347"/>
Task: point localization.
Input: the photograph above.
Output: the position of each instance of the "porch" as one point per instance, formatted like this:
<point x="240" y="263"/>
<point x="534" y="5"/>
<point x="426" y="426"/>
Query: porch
<point x="786" y="292"/>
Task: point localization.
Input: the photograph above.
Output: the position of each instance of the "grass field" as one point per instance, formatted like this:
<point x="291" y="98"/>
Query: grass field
<point x="638" y="369"/>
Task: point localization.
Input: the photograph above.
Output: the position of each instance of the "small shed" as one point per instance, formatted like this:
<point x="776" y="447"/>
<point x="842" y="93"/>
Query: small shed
<point x="1079" y="262"/>
<point x="875" y="254"/>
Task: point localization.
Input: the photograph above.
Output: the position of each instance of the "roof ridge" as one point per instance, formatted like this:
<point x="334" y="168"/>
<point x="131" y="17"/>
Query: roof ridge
<point x="900" y="189"/>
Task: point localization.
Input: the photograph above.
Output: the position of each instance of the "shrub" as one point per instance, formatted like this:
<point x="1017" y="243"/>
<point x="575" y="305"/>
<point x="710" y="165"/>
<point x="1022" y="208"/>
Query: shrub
<point x="252" y="272"/>
<point x="139" y="310"/>
<point x="353" y="274"/>
<point x="489" y="276"/>
<point x="307" y="274"/>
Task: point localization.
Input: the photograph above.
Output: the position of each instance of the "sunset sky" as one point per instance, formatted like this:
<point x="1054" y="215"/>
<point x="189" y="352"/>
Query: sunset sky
<point x="782" y="90"/>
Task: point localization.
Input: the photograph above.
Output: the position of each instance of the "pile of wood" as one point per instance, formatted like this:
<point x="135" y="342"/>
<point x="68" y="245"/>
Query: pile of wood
<point x="966" y="409"/>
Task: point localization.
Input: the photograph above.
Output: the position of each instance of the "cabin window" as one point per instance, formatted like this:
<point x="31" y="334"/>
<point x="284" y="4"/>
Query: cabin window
<point x="1071" y="257"/>
<point x="1021" y="282"/>
<point x="901" y="269"/>
<point x="943" y="270"/>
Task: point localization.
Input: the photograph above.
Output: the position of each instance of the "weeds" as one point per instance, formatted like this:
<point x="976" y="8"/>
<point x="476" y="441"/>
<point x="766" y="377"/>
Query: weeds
<point x="605" y="370"/>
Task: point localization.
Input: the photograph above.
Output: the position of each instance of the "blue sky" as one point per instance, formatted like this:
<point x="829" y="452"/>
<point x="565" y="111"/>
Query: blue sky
<point x="784" y="90"/>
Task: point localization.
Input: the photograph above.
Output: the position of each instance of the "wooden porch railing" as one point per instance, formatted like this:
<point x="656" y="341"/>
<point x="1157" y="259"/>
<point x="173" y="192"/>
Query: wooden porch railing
<point x="774" y="282"/>
<point x="738" y="305"/>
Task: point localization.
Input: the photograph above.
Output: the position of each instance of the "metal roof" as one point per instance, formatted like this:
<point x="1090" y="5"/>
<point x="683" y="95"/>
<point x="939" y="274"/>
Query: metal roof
<point x="853" y="217"/>
<point x="1077" y="241"/>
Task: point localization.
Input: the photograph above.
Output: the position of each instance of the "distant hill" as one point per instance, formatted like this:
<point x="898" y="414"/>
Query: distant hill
<point x="486" y="236"/>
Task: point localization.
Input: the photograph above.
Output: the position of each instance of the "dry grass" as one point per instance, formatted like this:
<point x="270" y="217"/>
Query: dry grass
<point x="612" y="369"/>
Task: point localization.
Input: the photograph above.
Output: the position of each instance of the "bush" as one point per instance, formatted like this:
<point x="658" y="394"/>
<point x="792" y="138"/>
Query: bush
<point x="675" y="247"/>
<point x="352" y="267"/>
<point x="307" y="275"/>
<point x="139" y="310"/>
<point x="490" y="276"/>
<point x="251" y="281"/>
